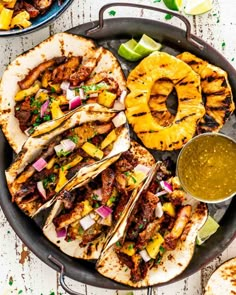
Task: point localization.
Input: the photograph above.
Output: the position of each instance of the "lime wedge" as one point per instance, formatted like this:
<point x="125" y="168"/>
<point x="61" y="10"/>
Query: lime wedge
<point x="146" y="45"/>
<point x="194" y="7"/>
<point x="126" y="50"/>
<point x="173" y="4"/>
<point x="208" y="229"/>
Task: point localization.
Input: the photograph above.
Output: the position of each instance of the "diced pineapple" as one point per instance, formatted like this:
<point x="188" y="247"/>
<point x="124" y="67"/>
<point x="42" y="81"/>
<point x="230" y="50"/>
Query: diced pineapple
<point x="51" y="163"/>
<point x="153" y="246"/>
<point x="10" y="4"/>
<point x="55" y="110"/>
<point x="113" y="197"/>
<point x="169" y="209"/>
<point x="92" y="150"/>
<point x="5" y="18"/>
<point x="128" y="248"/>
<point x="61" y="181"/>
<point x="21" y="20"/>
<point x="74" y="162"/>
<point x="109" y="139"/>
<point x="87" y="208"/>
<point x="106" y="98"/>
<point x="43" y="96"/>
<point x="134" y="178"/>
<point x="22" y="94"/>
<point x="62" y="99"/>
<point x="46" y="78"/>
<point x="55" y="87"/>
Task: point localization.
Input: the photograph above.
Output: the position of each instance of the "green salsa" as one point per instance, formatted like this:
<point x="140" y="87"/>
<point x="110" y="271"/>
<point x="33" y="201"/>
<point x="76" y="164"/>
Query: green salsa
<point x="207" y="167"/>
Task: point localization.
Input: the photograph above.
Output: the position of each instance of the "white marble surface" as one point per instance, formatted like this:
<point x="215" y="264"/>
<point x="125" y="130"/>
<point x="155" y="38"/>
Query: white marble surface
<point x="21" y="272"/>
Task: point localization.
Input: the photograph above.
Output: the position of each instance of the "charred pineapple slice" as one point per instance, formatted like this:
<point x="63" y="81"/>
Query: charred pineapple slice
<point x="186" y="82"/>
<point x="217" y="91"/>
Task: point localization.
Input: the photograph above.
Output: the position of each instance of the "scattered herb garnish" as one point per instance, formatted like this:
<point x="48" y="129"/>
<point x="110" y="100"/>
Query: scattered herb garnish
<point x="74" y="138"/>
<point x="112" y="12"/>
<point x="10" y="282"/>
<point x="168" y="16"/>
<point x="118" y="244"/>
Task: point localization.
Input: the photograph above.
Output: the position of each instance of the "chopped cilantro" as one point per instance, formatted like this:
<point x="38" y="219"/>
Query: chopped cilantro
<point x="140" y="226"/>
<point x="162" y="249"/>
<point x="10" y="281"/>
<point x="74" y="138"/>
<point x="50" y="179"/>
<point x="80" y="230"/>
<point x="94" y="87"/>
<point x="53" y="90"/>
<point x="112" y="199"/>
<point x="17" y="108"/>
<point x="155" y="1"/>
<point x="131" y="246"/>
<point x="118" y="244"/>
<point x="134" y="179"/>
<point x="232" y="59"/>
<point x="63" y="153"/>
<point x="168" y="16"/>
<point x="20" y="292"/>
<point x="95" y="197"/>
<point x="46" y="118"/>
<point x="223" y="44"/>
<point x="96" y="205"/>
<point x="112" y="12"/>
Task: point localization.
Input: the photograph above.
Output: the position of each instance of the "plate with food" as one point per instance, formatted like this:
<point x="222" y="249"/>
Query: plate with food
<point x="91" y="135"/>
<point x="19" y="17"/>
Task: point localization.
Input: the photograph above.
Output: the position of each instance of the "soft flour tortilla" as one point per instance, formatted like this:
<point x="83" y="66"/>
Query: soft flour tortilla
<point x="62" y="44"/>
<point x="93" y="250"/>
<point x="223" y="280"/>
<point x="34" y="145"/>
<point x="173" y="262"/>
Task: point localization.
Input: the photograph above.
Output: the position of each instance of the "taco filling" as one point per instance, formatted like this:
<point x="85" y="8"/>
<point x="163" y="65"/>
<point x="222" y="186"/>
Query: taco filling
<point x="58" y="86"/>
<point x="91" y="210"/>
<point x="62" y="158"/>
<point x="159" y="234"/>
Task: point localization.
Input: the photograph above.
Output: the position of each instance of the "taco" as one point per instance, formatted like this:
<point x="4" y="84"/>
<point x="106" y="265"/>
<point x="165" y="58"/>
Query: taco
<point x="155" y="241"/>
<point x="86" y="214"/>
<point x="47" y="162"/>
<point x="53" y="79"/>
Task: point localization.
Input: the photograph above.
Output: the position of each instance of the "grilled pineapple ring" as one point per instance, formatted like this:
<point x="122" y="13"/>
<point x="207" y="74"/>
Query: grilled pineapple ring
<point x="156" y="66"/>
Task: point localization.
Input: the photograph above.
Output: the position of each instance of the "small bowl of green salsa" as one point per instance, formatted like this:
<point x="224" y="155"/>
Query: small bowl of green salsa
<point x="206" y="167"/>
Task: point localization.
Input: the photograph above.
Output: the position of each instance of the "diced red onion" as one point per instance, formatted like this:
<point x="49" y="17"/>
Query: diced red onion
<point x="161" y="193"/>
<point x="70" y="94"/>
<point x="37" y="95"/>
<point x="159" y="210"/>
<point x="65" y="85"/>
<point x="58" y="149"/>
<point x="43" y="109"/>
<point x="104" y="211"/>
<point x="82" y="94"/>
<point x="41" y="189"/>
<point x="144" y="255"/>
<point x="68" y="145"/>
<point x="122" y="97"/>
<point x="61" y="233"/>
<point x="40" y="164"/>
<point x="118" y="106"/>
<point x="98" y="193"/>
<point x="93" y="95"/>
<point x="119" y="119"/>
<point x="74" y="103"/>
<point x="86" y="222"/>
<point x="166" y="186"/>
<point x="27" y="131"/>
<point x="142" y="168"/>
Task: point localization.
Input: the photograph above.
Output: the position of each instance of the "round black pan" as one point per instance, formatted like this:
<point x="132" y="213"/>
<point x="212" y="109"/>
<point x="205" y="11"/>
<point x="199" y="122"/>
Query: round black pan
<point x="114" y="32"/>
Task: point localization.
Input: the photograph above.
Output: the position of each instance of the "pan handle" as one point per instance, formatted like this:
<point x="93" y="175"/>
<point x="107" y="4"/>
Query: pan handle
<point x="62" y="275"/>
<point x="100" y="25"/>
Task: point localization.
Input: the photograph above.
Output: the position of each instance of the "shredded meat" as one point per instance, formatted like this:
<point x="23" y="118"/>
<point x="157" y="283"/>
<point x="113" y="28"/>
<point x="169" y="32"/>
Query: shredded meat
<point x="182" y="219"/>
<point x="102" y="128"/>
<point x="148" y="233"/>
<point x="34" y="74"/>
<point x="123" y="200"/>
<point x="33" y="12"/>
<point x="125" y="259"/>
<point x="42" y="5"/>
<point x="121" y="182"/>
<point x="108" y="178"/>
<point x="68" y="218"/>
<point x="68" y="199"/>
<point x="64" y="71"/>
<point x="83" y="72"/>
